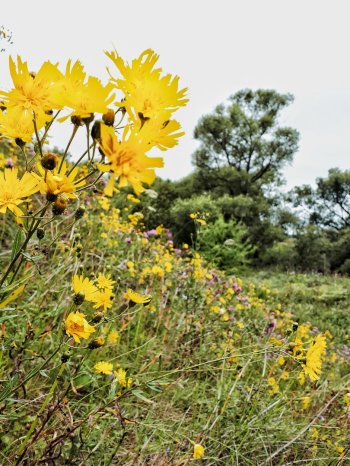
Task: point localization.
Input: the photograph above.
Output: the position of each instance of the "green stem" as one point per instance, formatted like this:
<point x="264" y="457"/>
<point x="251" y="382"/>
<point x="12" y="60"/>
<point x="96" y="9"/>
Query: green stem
<point x="78" y="161"/>
<point x="37" y="137"/>
<point x="75" y="129"/>
<point x="43" y="406"/>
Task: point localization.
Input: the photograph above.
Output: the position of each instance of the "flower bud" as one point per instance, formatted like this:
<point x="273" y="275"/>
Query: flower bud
<point x="79" y="213"/>
<point x="20" y="143"/>
<point x="89" y="119"/>
<point x="97" y="317"/>
<point x="65" y="357"/>
<point x="79" y="298"/>
<point x="97" y="343"/>
<point x="49" y="161"/>
<point x="40" y="233"/>
<point x="109" y="117"/>
<point x="76" y="120"/>
<point x="96" y="130"/>
<point x="59" y="206"/>
<point x="51" y="197"/>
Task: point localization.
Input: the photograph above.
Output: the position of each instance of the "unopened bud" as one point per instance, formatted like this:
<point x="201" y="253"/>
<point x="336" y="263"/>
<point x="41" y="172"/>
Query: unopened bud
<point x="79" y="298"/>
<point x="59" y="206"/>
<point x="97" y="317"/>
<point x="79" y="213"/>
<point x="89" y="119"/>
<point x="77" y="121"/>
<point x="96" y="130"/>
<point x="65" y="357"/>
<point x="51" y="197"/>
<point x="40" y="233"/>
<point x="97" y="343"/>
<point x="20" y="143"/>
<point x="49" y="161"/>
<point x="109" y="117"/>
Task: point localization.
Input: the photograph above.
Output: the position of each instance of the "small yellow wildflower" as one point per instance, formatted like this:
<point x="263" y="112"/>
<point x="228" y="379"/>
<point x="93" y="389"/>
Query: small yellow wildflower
<point x="105" y="281"/>
<point x="59" y="180"/>
<point x="313" y="364"/>
<point x="104" y="367"/>
<point x="306" y="402"/>
<point x="120" y="375"/>
<point x="281" y="360"/>
<point x="103" y="299"/>
<point x="146" y="92"/>
<point x="113" y="337"/>
<point x="32" y="91"/>
<point x="78" y="327"/>
<point x="136" y="297"/>
<point x="18" y="124"/>
<point x="198" y="451"/>
<point x="84" y="286"/>
<point x="14" y="191"/>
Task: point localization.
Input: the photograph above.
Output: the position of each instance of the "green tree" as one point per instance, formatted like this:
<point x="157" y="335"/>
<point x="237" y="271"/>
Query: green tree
<point x="242" y="144"/>
<point x="327" y="205"/>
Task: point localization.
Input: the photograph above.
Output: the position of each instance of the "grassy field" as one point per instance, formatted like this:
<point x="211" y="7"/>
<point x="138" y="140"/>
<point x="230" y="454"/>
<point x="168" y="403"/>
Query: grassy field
<point x="322" y="300"/>
<point x="211" y="360"/>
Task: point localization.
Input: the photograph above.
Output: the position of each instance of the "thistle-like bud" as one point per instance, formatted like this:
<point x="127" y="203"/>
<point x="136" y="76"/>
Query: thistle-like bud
<point x="97" y="343"/>
<point x="295" y="326"/>
<point x="49" y="161"/>
<point x="89" y="119"/>
<point x="79" y="212"/>
<point x="65" y="357"/>
<point x="97" y="317"/>
<point x="51" y="197"/>
<point x="79" y="298"/>
<point x="77" y="121"/>
<point x="40" y="233"/>
<point x="96" y="131"/>
<point x="109" y="117"/>
<point x="59" y="206"/>
<point x="20" y="143"/>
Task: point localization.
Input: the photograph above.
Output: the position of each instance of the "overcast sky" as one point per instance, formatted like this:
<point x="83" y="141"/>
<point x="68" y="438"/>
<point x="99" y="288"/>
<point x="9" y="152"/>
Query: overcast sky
<point x="216" y="47"/>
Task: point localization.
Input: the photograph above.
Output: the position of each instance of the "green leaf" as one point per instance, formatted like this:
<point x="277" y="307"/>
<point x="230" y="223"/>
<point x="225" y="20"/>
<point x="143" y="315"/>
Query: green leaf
<point x="17" y="243"/>
<point x="140" y="395"/>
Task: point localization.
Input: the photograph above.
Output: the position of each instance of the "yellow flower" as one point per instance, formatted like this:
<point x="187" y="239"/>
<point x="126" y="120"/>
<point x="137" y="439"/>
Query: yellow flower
<point x="83" y="97"/>
<point x="59" y="180"/>
<point x="147" y="93"/>
<point x="16" y="123"/>
<point x="313" y="364"/>
<point x="104" y="203"/>
<point x="121" y="377"/>
<point x="133" y="199"/>
<point x="306" y="402"/>
<point x="160" y="133"/>
<point x="198" y="451"/>
<point x="127" y="160"/>
<point x="14" y="191"/>
<point x="113" y="337"/>
<point x="281" y="360"/>
<point x="32" y="91"/>
<point x="271" y="381"/>
<point x="78" y="327"/>
<point x="85" y="286"/>
<point x="136" y="297"/>
<point x="103" y="299"/>
<point x="105" y="281"/>
<point x="104" y="367"/>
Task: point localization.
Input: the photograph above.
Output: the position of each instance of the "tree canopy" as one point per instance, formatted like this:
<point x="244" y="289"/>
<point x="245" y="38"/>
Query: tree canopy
<point x="245" y="137"/>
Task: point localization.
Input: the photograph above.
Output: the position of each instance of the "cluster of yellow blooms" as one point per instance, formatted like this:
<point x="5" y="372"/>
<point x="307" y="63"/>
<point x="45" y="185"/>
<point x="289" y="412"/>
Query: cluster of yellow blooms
<point x="37" y="100"/>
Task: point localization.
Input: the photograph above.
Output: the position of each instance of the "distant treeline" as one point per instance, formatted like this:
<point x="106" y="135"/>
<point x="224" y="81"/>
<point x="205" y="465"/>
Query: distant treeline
<point x="235" y="189"/>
